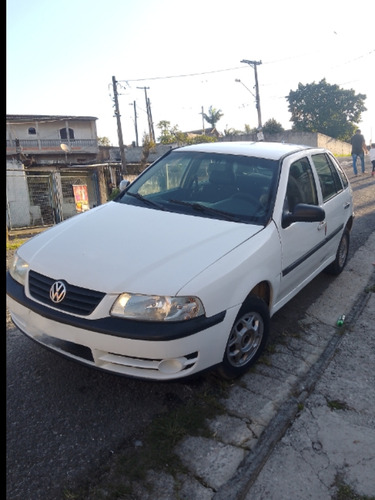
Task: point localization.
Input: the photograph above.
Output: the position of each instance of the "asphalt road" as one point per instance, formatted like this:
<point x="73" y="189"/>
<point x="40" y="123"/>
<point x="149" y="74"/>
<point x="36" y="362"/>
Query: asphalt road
<point x="65" y="421"/>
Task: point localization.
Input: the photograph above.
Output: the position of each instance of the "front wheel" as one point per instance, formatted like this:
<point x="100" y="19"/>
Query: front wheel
<point x="339" y="263"/>
<point x="247" y="339"/>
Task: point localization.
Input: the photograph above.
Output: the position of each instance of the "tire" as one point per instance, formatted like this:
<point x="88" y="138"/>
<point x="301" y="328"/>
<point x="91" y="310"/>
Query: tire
<point x="247" y="339"/>
<point x="339" y="263"/>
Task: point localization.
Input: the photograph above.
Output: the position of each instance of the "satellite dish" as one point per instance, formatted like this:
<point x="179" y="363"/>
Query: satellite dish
<point x="65" y="148"/>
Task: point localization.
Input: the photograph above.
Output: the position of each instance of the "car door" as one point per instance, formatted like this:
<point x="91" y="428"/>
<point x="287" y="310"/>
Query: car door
<point x="336" y="200"/>
<point x="302" y="242"/>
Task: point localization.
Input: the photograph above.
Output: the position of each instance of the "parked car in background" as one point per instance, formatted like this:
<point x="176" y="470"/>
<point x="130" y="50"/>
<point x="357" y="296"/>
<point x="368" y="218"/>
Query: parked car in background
<point x="182" y="272"/>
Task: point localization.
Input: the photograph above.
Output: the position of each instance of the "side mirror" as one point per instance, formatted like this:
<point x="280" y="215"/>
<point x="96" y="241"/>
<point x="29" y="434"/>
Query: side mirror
<point x="123" y="184"/>
<point x="303" y="213"/>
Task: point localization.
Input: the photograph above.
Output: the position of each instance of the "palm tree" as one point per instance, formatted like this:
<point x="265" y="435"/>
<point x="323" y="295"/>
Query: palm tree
<point x="213" y="116"/>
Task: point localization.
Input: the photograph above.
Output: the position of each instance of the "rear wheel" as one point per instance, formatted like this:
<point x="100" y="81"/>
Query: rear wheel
<point x="339" y="263"/>
<point x="247" y="339"/>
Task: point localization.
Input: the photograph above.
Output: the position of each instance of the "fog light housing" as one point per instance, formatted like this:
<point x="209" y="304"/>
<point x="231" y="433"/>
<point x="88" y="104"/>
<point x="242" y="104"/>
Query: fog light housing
<point x="169" y="366"/>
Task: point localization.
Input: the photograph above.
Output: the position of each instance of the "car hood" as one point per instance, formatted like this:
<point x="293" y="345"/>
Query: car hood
<point x="116" y="247"/>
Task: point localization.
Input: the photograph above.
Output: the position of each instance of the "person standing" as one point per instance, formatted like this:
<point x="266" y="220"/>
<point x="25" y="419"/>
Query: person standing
<point x="358" y="150"/>
<point x="372" y="158"/>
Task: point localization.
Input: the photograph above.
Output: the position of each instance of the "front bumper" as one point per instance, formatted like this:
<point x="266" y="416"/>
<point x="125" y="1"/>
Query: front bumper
<point x="158" y="351"/>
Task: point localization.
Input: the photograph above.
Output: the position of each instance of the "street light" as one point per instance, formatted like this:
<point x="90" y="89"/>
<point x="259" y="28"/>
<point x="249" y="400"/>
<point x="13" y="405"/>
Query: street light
<point x="260" y="133"/>
<point x="239" y="81"/>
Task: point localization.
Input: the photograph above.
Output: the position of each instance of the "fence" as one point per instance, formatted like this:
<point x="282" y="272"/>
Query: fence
<point x="44" y="198"/>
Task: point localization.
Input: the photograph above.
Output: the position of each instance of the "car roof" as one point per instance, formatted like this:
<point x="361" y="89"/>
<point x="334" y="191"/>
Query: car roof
<point x="270" y="150"/>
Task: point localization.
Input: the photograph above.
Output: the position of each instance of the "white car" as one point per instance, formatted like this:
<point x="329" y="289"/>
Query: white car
<point x="183" y="270"/>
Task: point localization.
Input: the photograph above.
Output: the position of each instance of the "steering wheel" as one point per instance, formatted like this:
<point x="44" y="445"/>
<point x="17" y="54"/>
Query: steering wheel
<point x="247" y="197"/>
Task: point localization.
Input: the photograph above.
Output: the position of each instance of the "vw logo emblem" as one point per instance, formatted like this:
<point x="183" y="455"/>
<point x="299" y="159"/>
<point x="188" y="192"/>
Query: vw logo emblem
<point x="57" y="292"/>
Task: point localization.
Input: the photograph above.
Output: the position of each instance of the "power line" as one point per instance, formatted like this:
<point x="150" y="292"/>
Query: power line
<point x="233" y="69"/>
<point x="180" y="76"/>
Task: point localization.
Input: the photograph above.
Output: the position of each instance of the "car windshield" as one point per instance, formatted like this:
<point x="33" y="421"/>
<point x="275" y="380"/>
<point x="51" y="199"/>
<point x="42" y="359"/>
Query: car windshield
<point x="222" y="186"/>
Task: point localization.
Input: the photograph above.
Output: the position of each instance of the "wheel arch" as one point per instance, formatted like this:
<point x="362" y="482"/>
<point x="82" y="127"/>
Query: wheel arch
<point x="262" y="291"/>
<point x="349" y="224"/>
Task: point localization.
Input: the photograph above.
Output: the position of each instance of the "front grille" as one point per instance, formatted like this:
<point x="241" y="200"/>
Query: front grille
<point x="78" y="300"/>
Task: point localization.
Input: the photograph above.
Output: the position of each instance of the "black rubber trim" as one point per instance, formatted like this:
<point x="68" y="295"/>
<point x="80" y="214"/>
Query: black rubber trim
<point x="117" y="327"/>
<point x="302" y="259"/>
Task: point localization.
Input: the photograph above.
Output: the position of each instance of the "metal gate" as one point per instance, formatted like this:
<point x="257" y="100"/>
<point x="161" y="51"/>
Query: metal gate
<point x="46" y="198"/>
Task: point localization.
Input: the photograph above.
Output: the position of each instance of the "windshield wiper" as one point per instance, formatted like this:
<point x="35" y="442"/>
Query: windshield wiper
<point x="207" y="210"/>
<point x="146" y="200"/>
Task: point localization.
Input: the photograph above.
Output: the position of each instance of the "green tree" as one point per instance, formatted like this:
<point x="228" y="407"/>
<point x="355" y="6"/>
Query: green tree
<point x="148" y="145"/>
<point x="165" y="132"/>
<point x="249" y="130"/>
<point x="104" y="141"/>
<point x="272" y="126"/>
<point x="232" y="131"/>
<point x="213" y="116"/>
<point x="328" y="109"/>
<point x="199" y="139"/>
<point x="170" y="135"/>
<point x="180" y="137"/>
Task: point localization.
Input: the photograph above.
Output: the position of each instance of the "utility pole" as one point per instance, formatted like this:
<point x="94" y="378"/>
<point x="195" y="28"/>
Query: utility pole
<point x="202" y="113"/>
<point x="254" y="65"/>
<point x="135" y="123"/>
<point x="119" y="130"/>
<point x="151" y="123"/>
<point x="149" y="117"/>
<point x="18" y="149"/>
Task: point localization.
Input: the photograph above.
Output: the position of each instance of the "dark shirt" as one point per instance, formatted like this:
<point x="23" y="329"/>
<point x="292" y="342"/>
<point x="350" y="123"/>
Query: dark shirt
<point x="357" y="142"/>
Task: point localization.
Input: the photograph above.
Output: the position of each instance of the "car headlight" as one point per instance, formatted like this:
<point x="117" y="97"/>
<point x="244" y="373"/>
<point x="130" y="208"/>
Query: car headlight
<point x="157" y="307"/>
<point x="18" y="269"/>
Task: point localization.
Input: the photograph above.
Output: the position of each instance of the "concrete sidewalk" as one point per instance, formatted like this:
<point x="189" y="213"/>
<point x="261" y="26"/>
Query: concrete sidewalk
<point x="303" y="426"/>
<point x="330" y="447"/>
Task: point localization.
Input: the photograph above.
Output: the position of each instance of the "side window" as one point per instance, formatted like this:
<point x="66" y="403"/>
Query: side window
<point x="301" y="185"/>
<point x="63" y="134"/>
<point x="329" y="177"/>
<point x="336" y="166"/>
<point x="32" y="131"/>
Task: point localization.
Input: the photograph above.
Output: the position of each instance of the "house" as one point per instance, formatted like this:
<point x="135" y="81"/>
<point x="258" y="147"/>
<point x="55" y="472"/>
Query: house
<point x="51" y="140"/>
<point x="51" y="168"/>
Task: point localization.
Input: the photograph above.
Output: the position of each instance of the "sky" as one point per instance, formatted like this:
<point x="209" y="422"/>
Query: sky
<point x="62" y="57"/>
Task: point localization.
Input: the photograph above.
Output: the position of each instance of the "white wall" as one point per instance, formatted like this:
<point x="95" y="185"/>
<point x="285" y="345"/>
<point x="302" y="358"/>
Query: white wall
<point x="18" y="201"/>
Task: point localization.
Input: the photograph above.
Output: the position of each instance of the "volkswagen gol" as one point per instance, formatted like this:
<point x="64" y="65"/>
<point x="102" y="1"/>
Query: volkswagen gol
<point x="182" y="272"/>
